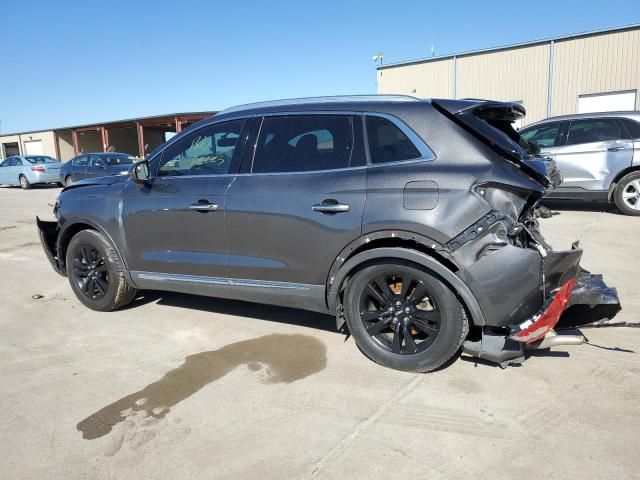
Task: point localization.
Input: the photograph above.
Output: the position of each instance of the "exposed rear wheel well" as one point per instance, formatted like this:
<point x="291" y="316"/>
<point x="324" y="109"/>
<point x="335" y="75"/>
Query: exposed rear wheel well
<point x="402" y="242"/>
<point x="624" y="172"/>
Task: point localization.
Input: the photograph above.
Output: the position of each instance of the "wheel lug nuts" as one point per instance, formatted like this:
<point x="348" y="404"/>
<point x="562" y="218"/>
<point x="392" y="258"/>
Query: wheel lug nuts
<point x="406" y="319"/>
<point x="407" y="310"/>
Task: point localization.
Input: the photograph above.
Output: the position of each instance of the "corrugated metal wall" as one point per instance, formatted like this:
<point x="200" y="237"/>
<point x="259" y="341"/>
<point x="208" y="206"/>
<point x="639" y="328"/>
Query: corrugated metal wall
<point x="598" y="63"/>
<point x="421" y="80"/>
<point x="509" y="75"/>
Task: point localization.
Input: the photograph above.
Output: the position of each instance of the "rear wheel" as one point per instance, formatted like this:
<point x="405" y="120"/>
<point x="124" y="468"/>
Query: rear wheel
<point x="627" y="194"/>
<point x="24" y="183"/>
<point x="403" y="317"/>
<point x="96" y="272"/>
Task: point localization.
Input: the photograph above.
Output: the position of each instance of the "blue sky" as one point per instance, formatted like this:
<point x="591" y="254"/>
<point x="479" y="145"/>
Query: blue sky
<point x="67" y="63"/>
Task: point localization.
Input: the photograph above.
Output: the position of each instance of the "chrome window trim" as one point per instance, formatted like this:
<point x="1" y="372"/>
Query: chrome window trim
<point x="426" y="153"/>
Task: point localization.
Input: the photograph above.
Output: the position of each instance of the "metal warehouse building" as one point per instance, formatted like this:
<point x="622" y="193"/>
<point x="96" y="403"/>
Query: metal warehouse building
<point x="136" y="136"/>
<point x="586" y="72"/>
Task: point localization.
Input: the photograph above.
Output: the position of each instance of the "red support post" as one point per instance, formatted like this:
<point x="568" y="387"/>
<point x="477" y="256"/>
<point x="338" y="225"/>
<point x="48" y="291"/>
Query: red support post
<point x="74" y="136"/>
<point x="140" y="139"/>
<point x="105" y="139"/>
<point x="178" y="125"/>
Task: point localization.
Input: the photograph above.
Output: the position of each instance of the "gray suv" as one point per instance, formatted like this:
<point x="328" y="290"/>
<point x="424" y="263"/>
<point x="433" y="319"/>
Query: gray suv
<point x="414" y="222"/>
<point x="597" y="153"/>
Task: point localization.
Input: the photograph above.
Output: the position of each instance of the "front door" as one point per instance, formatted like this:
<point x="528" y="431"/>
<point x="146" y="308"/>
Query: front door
<point x="97" y="166"/>
<point x="299" y="203"/>
<point x="594" y="152"/>
<point x="175" y="225"/>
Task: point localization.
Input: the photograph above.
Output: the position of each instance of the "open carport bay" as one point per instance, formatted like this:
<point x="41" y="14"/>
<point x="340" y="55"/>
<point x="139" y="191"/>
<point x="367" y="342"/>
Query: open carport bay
<point x="187" y="387"/>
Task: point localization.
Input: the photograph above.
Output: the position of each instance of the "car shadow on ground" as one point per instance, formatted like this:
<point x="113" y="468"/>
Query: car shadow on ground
<point x="580" y="206"/>
<point x="239" y="308"/>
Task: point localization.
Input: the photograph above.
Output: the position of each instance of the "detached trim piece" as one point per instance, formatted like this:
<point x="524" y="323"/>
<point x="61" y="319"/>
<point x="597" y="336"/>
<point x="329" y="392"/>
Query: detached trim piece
<point x="474" y="231"/>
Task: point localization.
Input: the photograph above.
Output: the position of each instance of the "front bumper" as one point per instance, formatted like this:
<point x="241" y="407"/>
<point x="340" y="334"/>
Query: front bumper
<point x="48" y="233"/>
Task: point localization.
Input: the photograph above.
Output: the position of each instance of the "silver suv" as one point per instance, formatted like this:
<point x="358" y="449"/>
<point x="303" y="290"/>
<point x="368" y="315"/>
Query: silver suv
<point x="598" y="155"/>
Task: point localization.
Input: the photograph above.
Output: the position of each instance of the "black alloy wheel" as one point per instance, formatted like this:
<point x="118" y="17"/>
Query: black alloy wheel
<point x="398" y="313"/>
<point x="90" y="272"/>
<point x="403" y="316"/>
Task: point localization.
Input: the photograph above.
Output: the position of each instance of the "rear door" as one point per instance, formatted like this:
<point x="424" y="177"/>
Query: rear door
<point x="593" y="152"/>
<point x="299" y="203"/>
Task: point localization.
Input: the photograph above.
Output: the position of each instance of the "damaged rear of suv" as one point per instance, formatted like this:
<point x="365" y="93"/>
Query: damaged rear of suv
<point x="414" y="222"/>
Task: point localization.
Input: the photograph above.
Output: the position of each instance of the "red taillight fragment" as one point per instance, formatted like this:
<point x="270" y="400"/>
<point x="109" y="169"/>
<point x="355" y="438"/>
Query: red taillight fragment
<point x="535" y="329"/>
<point x="39" y="168"/>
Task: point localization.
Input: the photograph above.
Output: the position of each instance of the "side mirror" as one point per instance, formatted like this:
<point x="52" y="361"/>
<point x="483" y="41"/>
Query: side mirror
<point x="140" y="172"/>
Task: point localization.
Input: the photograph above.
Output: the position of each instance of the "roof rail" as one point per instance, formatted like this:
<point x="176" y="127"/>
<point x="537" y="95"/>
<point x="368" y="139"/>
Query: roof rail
<point x="328" y="99"/>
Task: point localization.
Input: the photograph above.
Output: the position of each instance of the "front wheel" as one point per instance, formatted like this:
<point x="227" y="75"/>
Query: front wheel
<point x="96" y="272"/>
<point x="68" y="180"/>
<point x="403" y="317"/>
<point x="24" y="183"/>
<point x="627" y="194"/>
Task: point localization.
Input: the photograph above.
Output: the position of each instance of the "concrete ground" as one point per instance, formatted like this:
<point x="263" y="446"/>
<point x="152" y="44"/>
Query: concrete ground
<point x="186" y="387"/>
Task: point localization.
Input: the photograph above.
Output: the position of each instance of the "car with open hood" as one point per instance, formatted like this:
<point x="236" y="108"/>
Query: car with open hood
<point x="415" y="223"/>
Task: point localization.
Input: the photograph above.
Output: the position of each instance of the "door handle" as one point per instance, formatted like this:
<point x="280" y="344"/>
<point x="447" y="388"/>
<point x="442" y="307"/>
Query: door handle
<point x="326" y="207"/>
<point x="203" y="207"/>
<point x="615" y="149"/>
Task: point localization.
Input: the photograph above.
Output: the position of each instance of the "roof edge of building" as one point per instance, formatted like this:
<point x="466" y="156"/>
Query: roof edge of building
<point x="540" y="41"/>
<point x="110" y="122"/>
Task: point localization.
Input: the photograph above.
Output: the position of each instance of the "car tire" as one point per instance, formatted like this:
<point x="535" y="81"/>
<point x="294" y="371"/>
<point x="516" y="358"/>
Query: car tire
<point x="627" y="194"/>
<point x="414" y="329"/>
<point x="24" y="183"/>
<point x="96" y="272"/>
<point x="68" y="180"/>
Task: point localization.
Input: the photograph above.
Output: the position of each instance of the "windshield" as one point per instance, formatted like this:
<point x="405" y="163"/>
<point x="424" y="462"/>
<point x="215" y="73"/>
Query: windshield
<point x="119" y="159"/>
<point x="40" y="159"/>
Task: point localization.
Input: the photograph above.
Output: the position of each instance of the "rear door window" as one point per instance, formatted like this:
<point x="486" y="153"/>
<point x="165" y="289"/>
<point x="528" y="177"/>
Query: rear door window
<point x="542" y="135"/>
<point x="303" y="143"/>
<point x="593" y="130"/>
<point x="387" y="143"/>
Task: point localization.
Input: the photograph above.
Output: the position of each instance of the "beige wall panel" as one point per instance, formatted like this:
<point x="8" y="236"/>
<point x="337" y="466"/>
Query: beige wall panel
<point x="602" y="63"/>
<point x="425" y="80"/>
<point x="47" y="139"/>
<point x="518" y="74"/>
<point x="65" y="145"/>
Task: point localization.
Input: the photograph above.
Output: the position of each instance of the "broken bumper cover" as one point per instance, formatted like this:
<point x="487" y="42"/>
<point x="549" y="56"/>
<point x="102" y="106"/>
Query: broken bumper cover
<point x="576" y="298"/>
<point x="48" y="233"/>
